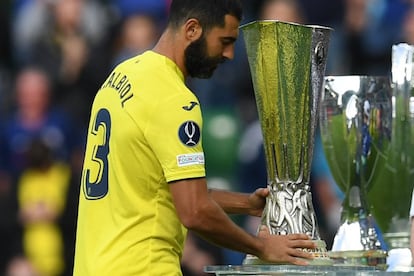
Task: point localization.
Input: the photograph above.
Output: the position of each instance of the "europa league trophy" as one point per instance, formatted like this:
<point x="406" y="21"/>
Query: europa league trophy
<point x="367" y="133"/>
<point x="287" y="64"/>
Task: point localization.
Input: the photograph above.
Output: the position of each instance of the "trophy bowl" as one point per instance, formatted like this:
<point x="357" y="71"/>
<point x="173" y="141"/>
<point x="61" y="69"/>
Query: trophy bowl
<point x="366" y="124"/>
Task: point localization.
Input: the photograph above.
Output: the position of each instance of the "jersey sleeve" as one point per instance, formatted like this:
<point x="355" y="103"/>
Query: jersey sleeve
<point x="175" y="135"/>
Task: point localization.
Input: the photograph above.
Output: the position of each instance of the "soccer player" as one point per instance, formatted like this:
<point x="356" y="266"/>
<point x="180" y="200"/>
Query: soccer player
<point x="143" y="182"/>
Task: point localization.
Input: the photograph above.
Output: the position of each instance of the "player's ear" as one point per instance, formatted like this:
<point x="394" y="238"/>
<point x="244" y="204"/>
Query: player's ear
<point x="193" y="29"/>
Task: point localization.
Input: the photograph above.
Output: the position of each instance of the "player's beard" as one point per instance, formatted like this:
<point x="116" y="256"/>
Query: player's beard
<point x="198" y="63"/>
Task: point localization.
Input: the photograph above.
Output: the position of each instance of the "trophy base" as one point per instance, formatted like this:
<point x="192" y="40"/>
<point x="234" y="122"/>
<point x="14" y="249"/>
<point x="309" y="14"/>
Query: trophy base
<point x="374" y="258"/>
<point x="320" y="257"/>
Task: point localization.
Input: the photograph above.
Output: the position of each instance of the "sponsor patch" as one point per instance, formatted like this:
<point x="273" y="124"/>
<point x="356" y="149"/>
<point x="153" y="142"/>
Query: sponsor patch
<point x="189" y="133"/>
<point x="190" y="159"/>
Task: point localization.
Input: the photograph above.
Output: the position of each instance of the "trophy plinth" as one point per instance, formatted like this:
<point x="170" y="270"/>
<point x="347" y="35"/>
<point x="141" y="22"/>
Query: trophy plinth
<point x="287" y="63"/>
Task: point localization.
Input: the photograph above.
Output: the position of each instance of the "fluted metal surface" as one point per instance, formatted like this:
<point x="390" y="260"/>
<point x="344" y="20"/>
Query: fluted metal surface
<point x="287" y="64"/>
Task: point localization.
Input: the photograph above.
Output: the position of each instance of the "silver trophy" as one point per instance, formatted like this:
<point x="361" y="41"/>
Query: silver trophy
<point x="366" y="124"/>
<point x="287" y="63"/>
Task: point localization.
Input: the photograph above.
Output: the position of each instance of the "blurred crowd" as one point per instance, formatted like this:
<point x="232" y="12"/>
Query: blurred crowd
<point x="54" y="55"/>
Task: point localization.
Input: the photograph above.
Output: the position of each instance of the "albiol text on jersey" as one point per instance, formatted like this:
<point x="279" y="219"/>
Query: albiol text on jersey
<point x="121" y="85"/>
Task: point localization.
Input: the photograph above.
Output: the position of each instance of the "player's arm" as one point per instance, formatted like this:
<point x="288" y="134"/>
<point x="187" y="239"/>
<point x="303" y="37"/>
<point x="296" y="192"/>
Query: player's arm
<point x="241" y="203"/>
<point x="199" y="212"/>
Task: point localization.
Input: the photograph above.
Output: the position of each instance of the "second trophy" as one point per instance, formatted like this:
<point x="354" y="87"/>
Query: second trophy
<point x="367" y="127"/>
<point x="355" y="128"/>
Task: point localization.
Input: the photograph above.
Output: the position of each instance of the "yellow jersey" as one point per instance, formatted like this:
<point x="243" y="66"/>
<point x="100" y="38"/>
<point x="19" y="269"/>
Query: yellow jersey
<point x="144" y="132"/>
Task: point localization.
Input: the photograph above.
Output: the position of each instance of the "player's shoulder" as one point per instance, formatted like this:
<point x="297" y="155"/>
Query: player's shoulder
<point x="153" y="72"/>
<point x="146" y="59"/>
<point x="148" y="66"/>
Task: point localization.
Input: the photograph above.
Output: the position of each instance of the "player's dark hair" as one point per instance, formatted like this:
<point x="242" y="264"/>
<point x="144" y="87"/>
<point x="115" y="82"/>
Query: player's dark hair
<point x="210" y="13"/>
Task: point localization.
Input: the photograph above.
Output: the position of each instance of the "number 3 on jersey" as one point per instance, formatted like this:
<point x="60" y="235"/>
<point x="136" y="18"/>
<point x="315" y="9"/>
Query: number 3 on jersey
<point x="97" y="164"/>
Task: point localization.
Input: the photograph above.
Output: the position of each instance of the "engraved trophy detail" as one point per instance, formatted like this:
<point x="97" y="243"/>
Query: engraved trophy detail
<point x="287" y="63"/>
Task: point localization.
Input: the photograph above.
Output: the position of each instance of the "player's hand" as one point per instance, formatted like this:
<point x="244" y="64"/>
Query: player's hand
<point x="257" y="201"/>
<point x="285" y="248"/>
